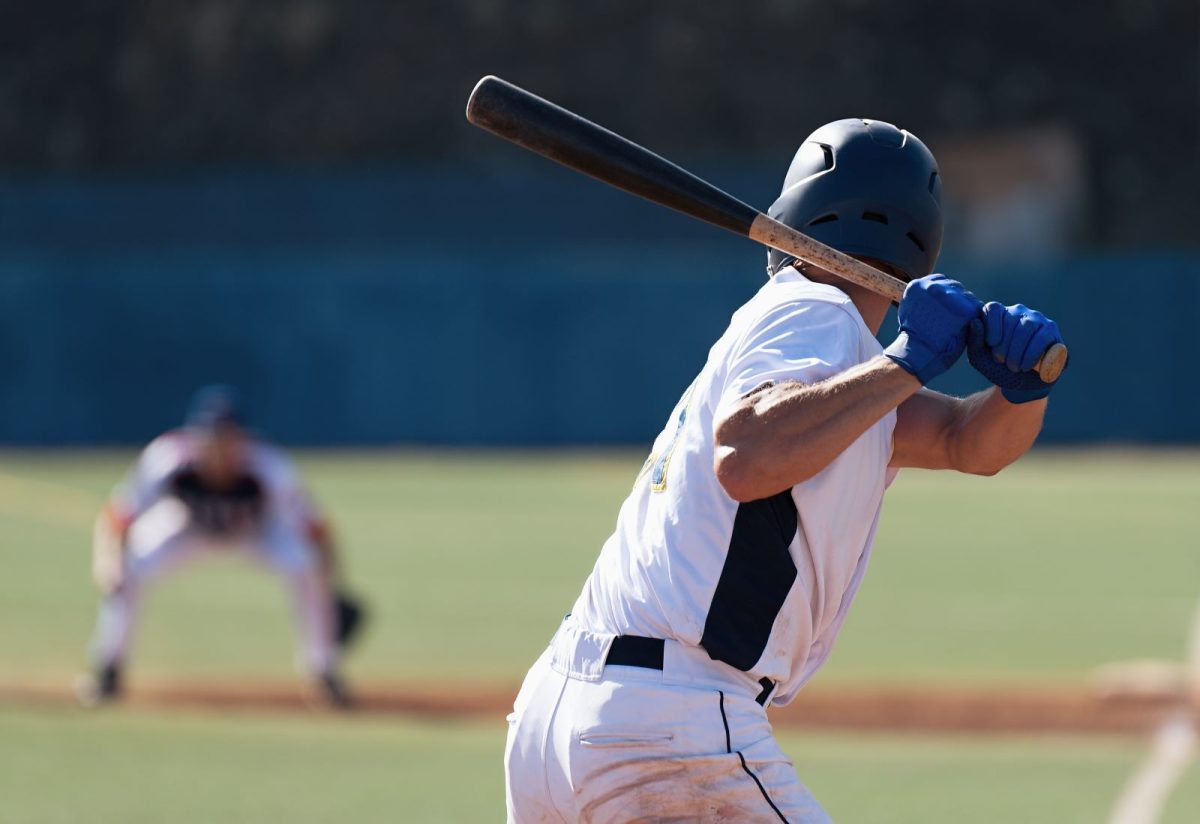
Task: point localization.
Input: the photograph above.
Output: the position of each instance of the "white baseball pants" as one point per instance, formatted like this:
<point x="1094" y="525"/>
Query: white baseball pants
<point x="161" y="540"/>
<point x="594" y="743"/>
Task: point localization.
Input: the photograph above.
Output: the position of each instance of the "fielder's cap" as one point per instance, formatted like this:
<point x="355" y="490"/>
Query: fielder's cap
<point x="214" y="406"/>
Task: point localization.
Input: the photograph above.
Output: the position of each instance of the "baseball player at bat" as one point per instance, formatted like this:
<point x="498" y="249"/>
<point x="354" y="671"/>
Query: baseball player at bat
<point x="206" y="488"/>
<point x="748" y="531"/>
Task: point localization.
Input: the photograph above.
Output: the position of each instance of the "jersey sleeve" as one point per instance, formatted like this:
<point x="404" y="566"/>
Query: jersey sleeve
<point x="147" y="480"/>
<point x="284" y="489"/>
<point x="802" y="340"/>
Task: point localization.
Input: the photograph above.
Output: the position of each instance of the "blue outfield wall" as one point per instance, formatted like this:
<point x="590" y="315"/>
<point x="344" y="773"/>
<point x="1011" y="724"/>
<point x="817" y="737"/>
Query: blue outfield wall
<point x="406" y="308"/>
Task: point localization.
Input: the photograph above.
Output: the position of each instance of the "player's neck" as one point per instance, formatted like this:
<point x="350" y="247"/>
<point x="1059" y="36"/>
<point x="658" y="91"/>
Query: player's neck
<point x="872" y="307"/>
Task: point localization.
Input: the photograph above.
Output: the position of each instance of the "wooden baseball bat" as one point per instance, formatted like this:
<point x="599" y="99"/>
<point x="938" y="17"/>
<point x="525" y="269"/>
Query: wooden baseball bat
<point x="563" y="136"/>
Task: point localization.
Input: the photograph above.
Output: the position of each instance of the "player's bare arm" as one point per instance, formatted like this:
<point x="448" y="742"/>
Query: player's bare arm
<point x="785" y="434"/>
<point x="321" y="534"/>
<point x="980" y="434"/>
<point x="108" y="548"/>
<point x="989" y="430"/>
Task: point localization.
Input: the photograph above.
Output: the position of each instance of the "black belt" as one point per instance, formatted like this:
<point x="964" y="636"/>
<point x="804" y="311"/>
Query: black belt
<point x="647" y="653"/>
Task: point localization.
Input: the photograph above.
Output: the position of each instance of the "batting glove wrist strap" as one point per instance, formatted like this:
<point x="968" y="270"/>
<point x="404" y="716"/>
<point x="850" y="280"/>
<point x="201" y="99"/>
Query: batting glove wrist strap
<point x="933" y="316"/>
<point x="1024" y="395"/>
<point x="1004" y="345"/>
<point x="915" y="357"/>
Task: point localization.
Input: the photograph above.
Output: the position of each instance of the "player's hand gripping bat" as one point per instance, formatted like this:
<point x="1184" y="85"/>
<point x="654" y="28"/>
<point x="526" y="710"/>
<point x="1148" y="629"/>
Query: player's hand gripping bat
<point x="551" y="131"/>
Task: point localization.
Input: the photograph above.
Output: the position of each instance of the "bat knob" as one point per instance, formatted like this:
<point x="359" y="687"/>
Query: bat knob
<point x="1052" y="363"/>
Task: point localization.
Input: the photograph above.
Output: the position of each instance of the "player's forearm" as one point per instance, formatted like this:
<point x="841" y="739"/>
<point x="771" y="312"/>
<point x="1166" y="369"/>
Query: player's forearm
<point x="989" y="433"/>
<point x="108" y="550"/>
<point x="322" y="538"/>
<point x="788" y="432"/>
<point x="328" y="554"/>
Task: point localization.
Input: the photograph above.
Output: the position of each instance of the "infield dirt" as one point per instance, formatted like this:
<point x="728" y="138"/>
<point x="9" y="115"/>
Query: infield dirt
<point x="899" y="708"/>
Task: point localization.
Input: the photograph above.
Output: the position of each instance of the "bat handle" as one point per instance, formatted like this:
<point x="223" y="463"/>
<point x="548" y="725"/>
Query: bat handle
<point x="1051" y="364"/>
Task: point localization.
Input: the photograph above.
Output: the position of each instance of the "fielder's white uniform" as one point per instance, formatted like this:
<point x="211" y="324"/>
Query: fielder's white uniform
<point x="747" y="597"/>
<point x="265" y="516"/>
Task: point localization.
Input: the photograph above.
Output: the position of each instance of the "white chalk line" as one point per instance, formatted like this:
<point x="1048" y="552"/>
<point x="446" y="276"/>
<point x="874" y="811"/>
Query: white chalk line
<point x="1173" y="749"/>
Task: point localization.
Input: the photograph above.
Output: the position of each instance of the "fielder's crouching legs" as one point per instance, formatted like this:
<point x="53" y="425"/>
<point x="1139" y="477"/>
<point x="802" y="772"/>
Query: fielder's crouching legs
<point x="286" y="550"/>
<point x="595" y="743"/>
<point x="159" y="543"/>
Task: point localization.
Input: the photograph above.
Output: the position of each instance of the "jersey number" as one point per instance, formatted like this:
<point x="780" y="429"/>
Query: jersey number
<point x="658" y="463"/>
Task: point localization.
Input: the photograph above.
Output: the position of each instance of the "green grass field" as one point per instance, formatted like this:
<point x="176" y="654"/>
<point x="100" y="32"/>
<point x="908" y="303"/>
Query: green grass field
<point x="1062" y="563"/>
<point x="142" y="766"/>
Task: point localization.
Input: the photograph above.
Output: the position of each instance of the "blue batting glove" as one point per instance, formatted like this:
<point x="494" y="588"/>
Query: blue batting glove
<point x="1005" y="343"/>
<point x="934" y="314"/>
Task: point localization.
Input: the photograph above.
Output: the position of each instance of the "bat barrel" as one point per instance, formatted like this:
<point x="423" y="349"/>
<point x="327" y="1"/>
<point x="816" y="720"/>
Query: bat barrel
<point x="536" y="124"/>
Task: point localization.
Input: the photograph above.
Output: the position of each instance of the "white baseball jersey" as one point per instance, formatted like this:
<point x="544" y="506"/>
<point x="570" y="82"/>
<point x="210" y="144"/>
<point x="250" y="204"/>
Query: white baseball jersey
<point x="763" y="586"/>
<point x="267" y="488"/>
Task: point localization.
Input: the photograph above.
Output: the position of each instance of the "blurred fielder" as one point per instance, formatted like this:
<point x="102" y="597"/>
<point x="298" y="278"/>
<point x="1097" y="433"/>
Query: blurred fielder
<point x="747" y="533"/>
<point x="213" y="487"/>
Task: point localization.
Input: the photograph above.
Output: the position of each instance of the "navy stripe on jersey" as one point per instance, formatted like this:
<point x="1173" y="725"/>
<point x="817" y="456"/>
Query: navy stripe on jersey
<point x="755" y="580"/>
<point x="220" y="511"/>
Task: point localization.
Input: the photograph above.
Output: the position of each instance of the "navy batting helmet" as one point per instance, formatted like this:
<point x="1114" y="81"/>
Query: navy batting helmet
<point x="867" y="189"/>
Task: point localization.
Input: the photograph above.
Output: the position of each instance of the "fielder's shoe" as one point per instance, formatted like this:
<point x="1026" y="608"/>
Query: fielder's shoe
<point x="331" y="691"/>
<point x="100" y="687"/>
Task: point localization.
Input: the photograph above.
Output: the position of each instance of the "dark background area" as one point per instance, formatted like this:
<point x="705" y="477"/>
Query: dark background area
<point x="286" y="195"/>
<point x="169" y="86"/>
